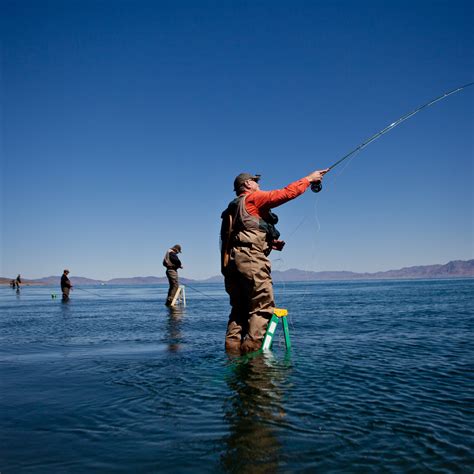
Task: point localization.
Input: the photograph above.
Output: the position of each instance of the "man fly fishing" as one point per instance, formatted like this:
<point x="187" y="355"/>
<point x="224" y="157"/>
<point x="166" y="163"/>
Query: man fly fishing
<point x="248" y="235"/>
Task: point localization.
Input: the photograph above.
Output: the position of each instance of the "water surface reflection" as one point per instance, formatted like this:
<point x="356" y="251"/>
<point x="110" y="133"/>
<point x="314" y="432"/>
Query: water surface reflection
<point x="255" y="414"/>
<point x="174" y="337"/>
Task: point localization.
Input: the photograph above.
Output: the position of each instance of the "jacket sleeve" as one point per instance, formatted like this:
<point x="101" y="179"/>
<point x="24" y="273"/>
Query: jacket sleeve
<point x="277" y="197"/>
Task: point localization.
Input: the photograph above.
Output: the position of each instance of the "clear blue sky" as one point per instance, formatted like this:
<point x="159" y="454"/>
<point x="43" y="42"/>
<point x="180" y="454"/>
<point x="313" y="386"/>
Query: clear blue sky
<point x="124" y="124"/>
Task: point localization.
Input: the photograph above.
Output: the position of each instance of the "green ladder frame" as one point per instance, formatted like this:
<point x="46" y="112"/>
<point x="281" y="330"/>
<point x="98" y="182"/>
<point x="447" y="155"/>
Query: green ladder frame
<point x="279" y="314"/>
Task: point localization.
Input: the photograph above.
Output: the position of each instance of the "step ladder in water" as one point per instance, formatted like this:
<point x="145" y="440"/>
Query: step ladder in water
<point x="179" y="297"/>
<point x="279" y="314"/>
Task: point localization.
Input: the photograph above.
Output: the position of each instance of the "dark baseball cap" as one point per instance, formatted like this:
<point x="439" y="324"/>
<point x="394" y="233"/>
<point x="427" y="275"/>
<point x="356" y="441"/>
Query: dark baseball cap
<point x="242" y="177"/>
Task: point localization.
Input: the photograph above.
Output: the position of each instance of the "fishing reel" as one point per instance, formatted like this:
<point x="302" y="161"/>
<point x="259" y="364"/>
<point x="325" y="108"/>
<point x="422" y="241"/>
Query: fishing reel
<point x="316" y="186"/>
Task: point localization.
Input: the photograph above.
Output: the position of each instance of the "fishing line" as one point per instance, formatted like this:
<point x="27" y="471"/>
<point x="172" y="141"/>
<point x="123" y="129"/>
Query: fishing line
<point x="87" y="291"/>
<point x="280" y="261"/>
<point x="317" y="185"/>
<point x="198" y="291"/>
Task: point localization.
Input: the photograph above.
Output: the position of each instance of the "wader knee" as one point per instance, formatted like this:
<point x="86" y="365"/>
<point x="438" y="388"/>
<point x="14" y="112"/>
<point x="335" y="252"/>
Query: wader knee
<point x="232" y="346"/>
<point x="250" y="345"/>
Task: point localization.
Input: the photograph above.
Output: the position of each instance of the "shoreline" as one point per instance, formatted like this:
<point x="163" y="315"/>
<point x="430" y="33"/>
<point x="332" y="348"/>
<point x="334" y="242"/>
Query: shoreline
<point x="275" y="282"/>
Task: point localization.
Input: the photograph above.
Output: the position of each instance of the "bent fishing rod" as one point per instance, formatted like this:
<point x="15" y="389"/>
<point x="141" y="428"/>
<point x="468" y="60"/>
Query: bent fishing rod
<point x="316" y="186"/>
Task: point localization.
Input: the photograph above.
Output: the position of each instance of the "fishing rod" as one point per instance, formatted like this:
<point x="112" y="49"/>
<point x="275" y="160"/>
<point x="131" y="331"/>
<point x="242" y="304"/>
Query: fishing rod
<point x="316" y="186"/>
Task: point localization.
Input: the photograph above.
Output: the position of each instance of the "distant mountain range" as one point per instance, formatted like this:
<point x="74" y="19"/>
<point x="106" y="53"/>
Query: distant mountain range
<point x="53" y="280"/>
<point x="453" y="269"/>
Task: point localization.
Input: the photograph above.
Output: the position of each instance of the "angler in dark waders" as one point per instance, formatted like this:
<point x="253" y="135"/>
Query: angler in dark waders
<point x="18" y="283"/>
<point x="248" y="235"/>
<point x="65" y="285"/>
<point x="172" y="264"/>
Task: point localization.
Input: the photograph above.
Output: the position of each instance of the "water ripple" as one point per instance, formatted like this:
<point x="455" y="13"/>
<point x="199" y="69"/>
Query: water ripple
<point x="379" y="380"/>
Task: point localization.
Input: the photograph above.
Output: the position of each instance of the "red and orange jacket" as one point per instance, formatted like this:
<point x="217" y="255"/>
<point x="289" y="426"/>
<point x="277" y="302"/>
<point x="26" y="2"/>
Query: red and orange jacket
<point x="259" y="203"/>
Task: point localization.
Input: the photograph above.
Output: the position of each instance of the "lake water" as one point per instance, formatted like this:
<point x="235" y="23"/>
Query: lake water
<point x="379" y="379"/>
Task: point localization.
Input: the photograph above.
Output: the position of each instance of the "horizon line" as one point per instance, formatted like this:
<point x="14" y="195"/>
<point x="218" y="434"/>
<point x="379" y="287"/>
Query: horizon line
<point x="274" y="271"/>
